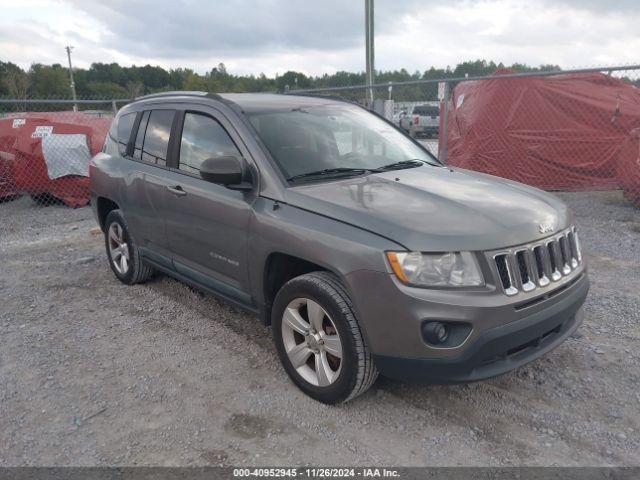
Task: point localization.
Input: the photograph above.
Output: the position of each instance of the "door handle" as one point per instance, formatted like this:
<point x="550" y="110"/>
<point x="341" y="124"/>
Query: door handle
<point x="177" y="191"/>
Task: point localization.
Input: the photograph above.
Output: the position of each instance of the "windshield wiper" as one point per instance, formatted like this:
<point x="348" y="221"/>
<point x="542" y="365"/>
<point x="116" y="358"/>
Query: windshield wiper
<point x="331" y="171"/>
<point x="360" y="171"/>
<point x="401" y="165"/>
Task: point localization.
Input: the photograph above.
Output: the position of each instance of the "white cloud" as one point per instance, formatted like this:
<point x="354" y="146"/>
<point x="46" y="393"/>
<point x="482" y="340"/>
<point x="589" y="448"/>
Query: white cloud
<point x="510" y="31"/>
<point x="273" y="36"/>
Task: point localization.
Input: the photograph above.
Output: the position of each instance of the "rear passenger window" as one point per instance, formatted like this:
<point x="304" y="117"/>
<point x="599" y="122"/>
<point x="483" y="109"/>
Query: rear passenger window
<point x="125" y="125"/>
<point x="203" y="138"/>
<point x="156" y="137"/>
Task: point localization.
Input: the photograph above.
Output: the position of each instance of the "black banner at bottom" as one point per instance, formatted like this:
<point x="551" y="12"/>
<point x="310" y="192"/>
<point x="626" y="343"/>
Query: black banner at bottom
<point x="410" y="473"/>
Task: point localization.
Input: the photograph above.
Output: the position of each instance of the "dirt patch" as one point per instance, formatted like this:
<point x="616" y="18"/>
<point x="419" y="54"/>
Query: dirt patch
<point x="218" y="458"/>
<point x="249" y="426"/>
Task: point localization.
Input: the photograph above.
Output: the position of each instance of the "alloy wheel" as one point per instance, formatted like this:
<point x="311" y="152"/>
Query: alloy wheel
<point x="118" y="248"/>
<point x="312" y="342"/>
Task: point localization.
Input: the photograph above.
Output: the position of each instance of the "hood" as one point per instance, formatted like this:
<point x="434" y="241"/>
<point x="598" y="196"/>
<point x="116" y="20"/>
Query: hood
<point x="437" y="209"/>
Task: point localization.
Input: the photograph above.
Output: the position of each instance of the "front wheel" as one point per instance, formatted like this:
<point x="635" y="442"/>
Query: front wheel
<point x="319" y="340"/>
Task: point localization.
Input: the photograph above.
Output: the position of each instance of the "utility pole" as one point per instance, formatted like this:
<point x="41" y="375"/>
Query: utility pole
<point x="73" y="84"/>
<point x="369" y="40"/>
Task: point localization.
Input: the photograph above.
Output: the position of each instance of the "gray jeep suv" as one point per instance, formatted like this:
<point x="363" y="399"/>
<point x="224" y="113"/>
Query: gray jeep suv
<point x="361" y="250"/>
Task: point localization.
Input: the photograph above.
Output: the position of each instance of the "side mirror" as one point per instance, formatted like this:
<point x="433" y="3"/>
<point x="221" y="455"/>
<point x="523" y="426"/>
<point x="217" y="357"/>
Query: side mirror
<point x="226" y="170"/>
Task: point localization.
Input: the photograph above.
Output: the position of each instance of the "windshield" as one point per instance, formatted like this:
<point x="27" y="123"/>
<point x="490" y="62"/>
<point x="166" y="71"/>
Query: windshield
<point x="315" y="139"/>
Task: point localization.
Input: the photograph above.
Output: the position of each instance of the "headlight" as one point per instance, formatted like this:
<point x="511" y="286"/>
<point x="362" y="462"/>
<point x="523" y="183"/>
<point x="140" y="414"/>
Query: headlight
<point x="455" y="269"/>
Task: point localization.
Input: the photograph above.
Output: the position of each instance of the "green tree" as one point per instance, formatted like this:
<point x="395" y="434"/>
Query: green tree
<point x="107" y="72"/>
<point x="295" y="80"/>
<point x="177" y="77"/>
<point x="154" y="78"/>
<point x="14" y="82"/>
<point x="106" y="90"/>
<point x="195" y="82"/>
<point x="49" y="81"/>
<point x="113" y="80"/>
<point x="134" y="89"/>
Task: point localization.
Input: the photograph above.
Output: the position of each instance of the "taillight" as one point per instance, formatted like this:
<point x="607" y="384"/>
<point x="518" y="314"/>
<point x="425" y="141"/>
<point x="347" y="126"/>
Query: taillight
<point x="416" y="120"/>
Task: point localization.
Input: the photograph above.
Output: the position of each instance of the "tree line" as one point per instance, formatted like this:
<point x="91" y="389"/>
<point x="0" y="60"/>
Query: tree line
<point x="111" y="80"/>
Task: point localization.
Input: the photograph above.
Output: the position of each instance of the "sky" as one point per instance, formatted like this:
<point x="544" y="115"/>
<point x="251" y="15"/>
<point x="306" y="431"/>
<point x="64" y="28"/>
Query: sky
<point x="320" y="36"/>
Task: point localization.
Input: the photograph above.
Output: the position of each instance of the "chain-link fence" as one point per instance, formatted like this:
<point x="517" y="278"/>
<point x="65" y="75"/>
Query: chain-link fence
<point x="562" y="131"/>
<point x="573" y="130"/>
<point x="46" y="145"/>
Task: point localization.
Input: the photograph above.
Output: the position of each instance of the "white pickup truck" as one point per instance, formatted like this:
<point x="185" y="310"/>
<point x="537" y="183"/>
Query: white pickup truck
<point x="424" y="120"/>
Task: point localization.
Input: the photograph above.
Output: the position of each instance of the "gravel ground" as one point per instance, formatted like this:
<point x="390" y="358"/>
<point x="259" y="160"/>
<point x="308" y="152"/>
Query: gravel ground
<point x="93" y="372"/>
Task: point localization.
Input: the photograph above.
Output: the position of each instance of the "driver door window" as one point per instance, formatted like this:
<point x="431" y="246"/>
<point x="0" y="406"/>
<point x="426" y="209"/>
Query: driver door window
<point x="203" y="138"/>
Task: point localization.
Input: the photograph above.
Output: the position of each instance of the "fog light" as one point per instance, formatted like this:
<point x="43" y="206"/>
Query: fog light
<point x="436" y="332"/>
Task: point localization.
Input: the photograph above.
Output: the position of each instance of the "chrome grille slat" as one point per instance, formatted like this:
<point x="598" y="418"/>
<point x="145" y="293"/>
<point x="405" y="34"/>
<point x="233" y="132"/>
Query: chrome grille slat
<point x="536" y="265"/>
<point x="554" y="257"/>
<point x="573" y="249"/>
<point x="505" y="272"/>
<point x="542" y="265"/>
<point x="575" y="245"/>
<point x="565" y="255"/>
<point x="523" y="258"/>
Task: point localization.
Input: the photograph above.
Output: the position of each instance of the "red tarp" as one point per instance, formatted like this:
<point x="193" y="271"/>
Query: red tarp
<point x="8" y="188"/>
<point x="28" y="168"/>
<point x="629" y="169"/>
<point x="562" y="132"/>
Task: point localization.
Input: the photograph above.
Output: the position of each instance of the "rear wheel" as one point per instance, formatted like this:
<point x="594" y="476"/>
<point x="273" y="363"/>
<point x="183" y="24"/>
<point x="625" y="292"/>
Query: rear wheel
<point x="319" y="340"/>
<point x="124" y="256"/>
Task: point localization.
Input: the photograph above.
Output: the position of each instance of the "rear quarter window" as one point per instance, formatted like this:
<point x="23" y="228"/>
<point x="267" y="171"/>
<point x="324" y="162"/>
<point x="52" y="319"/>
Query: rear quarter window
<point x="125" y="125"/>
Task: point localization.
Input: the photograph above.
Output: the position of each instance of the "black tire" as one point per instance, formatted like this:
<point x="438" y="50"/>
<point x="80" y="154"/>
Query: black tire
<point x="138" y="271"/>
<point x="357" y="371"/>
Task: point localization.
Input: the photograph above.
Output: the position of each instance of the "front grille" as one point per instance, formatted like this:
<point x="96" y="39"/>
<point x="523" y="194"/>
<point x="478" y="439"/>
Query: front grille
<point x="527" y="267"/>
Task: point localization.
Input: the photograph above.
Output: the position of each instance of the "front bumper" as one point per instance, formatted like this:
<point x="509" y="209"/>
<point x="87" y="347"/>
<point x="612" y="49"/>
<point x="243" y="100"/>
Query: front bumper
<point x="497" y="351"/>
<point x="504" y="336"/>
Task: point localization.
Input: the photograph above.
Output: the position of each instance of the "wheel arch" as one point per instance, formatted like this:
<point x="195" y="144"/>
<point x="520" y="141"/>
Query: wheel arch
<point x="279" y="268"/>
<point x="104" y="205"/>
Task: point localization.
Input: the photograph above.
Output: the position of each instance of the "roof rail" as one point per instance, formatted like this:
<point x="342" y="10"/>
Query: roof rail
<point x="324" y="97"/>
<point x="175" y="93"/>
